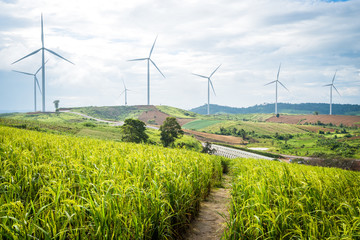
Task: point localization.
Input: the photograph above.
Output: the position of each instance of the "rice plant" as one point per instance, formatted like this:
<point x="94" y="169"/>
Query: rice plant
<point x="272" y="200"/>
<point x="63" y="187"/>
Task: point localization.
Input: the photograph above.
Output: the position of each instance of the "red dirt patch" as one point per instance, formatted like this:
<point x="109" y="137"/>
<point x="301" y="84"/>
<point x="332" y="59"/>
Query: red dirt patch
<point x="209" y="137"/>
<point x="153" y="116"/>
<point x="326" y="119"/>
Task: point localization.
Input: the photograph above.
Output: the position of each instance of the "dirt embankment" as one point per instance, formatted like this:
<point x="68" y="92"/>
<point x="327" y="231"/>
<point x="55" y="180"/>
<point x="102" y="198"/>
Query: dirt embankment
<point x="153" y="116"/>
<point x="312" y="119"/>
<point x="209" y="137"/>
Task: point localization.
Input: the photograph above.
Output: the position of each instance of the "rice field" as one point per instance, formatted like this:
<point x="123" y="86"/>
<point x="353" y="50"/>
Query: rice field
<point x="272" y="200"/>
<point x="65" y="187"/>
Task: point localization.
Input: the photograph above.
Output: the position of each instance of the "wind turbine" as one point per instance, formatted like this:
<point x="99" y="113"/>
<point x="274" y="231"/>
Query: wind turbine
<point x="209" y="83"/>
<point x="125" y="91"/>
<point x="276" y="91"/>
<point x="331" y="85"/>
<point x="42" y="49"/>
<point x="36" y="82"/>
<point x="148" y="70"/>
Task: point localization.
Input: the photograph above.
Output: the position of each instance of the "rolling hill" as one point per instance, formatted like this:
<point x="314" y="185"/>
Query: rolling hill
<point x="300" y="108"/>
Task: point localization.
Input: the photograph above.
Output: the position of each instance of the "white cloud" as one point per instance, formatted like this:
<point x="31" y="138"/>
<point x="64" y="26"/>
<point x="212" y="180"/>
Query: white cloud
<point x="249" y="38"/>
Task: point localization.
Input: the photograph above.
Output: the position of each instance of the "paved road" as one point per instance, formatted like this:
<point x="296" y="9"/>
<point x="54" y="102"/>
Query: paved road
<point x="113" y="123"/>
<point x="235" y="153"/>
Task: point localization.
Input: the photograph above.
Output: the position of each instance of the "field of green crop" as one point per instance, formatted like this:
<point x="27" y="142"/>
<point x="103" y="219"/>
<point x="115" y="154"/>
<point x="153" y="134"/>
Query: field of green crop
<point x="272" y="200"/>
<point x="65" y="187"/>
<point x="200" y="124"/>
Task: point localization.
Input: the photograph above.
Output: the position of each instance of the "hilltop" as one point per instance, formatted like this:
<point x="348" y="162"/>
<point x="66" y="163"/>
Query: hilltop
<point x="289" y="108"/>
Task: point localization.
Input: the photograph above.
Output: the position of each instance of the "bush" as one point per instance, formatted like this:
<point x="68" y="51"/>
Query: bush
<point x="133" y="130"/>
<point x="89" y="124"/>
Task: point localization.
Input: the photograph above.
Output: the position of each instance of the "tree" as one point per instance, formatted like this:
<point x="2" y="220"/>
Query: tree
<point x="170" y="130"/>
<point x="133" y="130"/>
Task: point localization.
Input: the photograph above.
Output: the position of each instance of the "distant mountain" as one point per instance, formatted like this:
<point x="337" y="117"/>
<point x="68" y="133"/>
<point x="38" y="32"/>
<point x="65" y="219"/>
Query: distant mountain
<point x="300" y="108"/>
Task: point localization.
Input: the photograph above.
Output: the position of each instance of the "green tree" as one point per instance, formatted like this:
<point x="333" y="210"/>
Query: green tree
<point x="133" y="130"/>
<point x="170" y="130"/>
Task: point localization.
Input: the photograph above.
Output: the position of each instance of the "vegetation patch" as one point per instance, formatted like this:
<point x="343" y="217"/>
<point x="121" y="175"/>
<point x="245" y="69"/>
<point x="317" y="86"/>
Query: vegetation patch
<point x="66" y="187"/>
<point x="200" y="124"/>
<point x="272" y="200"/>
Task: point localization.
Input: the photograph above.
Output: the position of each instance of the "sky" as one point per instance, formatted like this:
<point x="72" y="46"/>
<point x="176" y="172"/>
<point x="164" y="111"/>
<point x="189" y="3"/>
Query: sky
<point x="250" y="38"/>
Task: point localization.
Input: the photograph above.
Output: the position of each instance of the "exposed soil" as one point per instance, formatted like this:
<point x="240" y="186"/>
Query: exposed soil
<point x="211" y="222"/>
<point x="154" y="117"/>
<point x="209" y="137"/>
<point x="326" y="119"/>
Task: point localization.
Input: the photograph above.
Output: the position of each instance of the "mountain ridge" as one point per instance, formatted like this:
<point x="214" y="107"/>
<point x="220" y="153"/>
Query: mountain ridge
<point x="289" y="108"/>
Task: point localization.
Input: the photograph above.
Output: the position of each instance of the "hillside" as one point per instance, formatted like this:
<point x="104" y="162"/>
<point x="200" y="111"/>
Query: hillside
<point x="301" y="108"/>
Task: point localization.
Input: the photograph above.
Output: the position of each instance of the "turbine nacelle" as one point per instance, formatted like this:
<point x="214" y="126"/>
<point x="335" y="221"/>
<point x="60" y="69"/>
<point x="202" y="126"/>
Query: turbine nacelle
<point x="209" y="84"/>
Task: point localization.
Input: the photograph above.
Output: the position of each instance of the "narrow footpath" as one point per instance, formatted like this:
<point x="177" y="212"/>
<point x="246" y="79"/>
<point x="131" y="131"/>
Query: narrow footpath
<point x="213" y="215"/>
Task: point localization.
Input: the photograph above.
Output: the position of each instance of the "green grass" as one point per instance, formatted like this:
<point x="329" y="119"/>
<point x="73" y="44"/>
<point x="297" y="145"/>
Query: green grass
<point x="67" y="123"/>
<point x="117" y="113"/>
<point x="65" y="187"/>
<point x="200" y="124"/>
<point x="177" y="112"/>
<point x="254" y="117"/>
<point x="272" y="200"/>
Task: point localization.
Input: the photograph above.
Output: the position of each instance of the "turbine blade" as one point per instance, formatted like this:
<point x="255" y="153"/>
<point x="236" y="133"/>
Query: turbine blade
<point x="212" y="86"/>
<point x="283" y="85"/>
<point x="138" y="59"/>
<point x="37" y="82"/>
<point x="214" y="71"/>
<point x="199" y="75"/>
<point x="24" y="73"/>
<point x="34" y="52"/>
<point x="270" y="83"/>
<point x="336" y="90"/>
<point x="334" y="77"/>
<point x="152" y="48"/>
<point x="41" y="67"/>
<point x="278" y="72"/>
<point x="121" y="93"/>
<point x="50" y="51"/>
<point x="124" y="84"/>
<point x="327" y="85"/>
<point x="42" y="31"/>
<point x="157" y="68"/>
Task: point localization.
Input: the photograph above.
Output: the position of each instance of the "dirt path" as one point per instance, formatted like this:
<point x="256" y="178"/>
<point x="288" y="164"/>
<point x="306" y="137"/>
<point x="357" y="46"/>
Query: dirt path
<point x="210" y="224"/>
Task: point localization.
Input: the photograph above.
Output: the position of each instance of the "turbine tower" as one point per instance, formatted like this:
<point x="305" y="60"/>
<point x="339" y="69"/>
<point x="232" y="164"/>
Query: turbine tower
<point x="331" y="85"/>
<point x="36" y="82"/>
<point x="276" y="89"/>
<point x="42" y="49"/>
<point x="209" y="83"/>
<point x="125" y="91"/>
<point x="148" y="70"/>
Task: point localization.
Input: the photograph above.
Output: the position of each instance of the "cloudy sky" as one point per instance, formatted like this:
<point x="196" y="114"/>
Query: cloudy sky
<point x="250" y="38"/>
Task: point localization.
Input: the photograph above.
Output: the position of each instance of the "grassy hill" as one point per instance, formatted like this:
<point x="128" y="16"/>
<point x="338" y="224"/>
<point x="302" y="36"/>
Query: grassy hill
<point x="301" y="108"/>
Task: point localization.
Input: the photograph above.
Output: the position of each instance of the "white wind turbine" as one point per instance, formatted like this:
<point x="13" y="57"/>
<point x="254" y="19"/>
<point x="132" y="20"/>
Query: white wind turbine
<point x="209" y="83"/>
<point x="36" y="82"/>
<point x="276" y="91"/>
<point x="42" y="49"/>
<point x="125" y="91"/>
<point x="331" y="85"/>
<point x="148" y="70"/>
